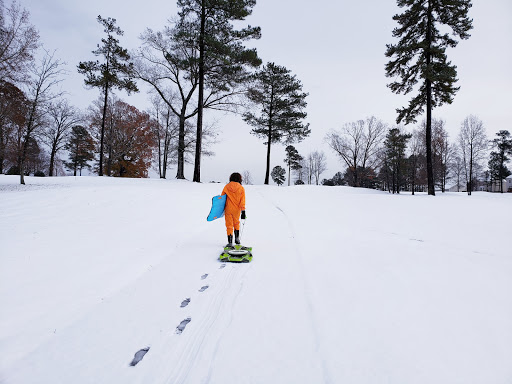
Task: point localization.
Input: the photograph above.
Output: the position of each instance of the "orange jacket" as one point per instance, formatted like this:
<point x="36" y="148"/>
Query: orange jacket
<point x="235" y="201"/>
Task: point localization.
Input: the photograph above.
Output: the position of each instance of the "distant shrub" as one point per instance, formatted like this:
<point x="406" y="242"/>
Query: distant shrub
<point x="299" y="182"/>
<point x="39" y="174"/>
<point x="14" y="170"/>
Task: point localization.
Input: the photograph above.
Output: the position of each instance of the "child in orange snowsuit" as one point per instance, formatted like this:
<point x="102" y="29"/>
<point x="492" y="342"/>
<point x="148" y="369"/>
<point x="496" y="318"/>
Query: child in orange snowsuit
<point x="235" y="204"/>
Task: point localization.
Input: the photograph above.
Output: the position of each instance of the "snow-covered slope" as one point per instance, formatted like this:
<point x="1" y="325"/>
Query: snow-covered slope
<point x="346" y="285"/>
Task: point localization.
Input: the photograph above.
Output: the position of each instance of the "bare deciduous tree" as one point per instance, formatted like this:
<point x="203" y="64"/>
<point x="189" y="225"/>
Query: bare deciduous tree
<point x="40" y="92"/>
<point x="247" y="178"/>
<point x="18" y="41"/>
<point x="308" y="166"/>
<point x="357" y="144"/>
<point x="62" y="117"/>
<point x="168" y="63"/>
<point x="166" y="133"/>
<point x="457" y="167"/>
<point x="417" y="154"/>
<point x="441" y="153"/>
<point x="318" y="165"/>
<point x="473" y="145"/>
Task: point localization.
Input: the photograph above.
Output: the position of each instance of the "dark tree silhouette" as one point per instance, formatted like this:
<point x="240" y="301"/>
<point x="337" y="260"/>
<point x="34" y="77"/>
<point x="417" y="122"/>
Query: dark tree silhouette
<point x="420" y="57"/>
<point x="222" y="58"/>
<point x="114" y="72"/>
<point x="282" y="106"/>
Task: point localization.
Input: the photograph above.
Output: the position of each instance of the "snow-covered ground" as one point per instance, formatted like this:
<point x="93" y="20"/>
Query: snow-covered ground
<point x="346" y="285"/>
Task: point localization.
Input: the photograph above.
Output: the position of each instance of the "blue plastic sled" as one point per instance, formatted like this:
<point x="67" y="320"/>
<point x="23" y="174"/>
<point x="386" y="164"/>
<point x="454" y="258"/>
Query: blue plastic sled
<point x="218" y="204"/>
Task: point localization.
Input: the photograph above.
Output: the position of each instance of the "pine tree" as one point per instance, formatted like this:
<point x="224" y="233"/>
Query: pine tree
<point x="500" y="156"/>
<point x="278" y="175"/>
<point x="292" y="160"/>
<point x="282" y="108"/>
<point x="115" y="72"/>
<point x="338" y="179"/>
<point x="420" y="56"/>
<point x="80" y="146"/>
<point x="395" y="146"/>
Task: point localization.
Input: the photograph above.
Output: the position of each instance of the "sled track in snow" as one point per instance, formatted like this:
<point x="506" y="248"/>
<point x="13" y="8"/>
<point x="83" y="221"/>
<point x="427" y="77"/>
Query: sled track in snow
<point x="215" y="304"/>
<point x="307" y="294"/>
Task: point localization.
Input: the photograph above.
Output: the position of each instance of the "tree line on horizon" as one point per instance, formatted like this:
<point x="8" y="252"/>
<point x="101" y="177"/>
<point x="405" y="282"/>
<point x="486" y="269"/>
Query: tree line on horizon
<point x="198" y="62"/>
<point x="392" y="159"/>
<point x="378" y="156"/>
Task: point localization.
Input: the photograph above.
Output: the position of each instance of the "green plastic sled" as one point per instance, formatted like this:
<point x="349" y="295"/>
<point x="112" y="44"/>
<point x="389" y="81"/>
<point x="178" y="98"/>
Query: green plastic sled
<point x="236" y="254"/>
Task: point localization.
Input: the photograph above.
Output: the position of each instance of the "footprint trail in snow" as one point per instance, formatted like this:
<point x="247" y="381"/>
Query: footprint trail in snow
<point x="185" y="302"/>
<point x="180" y="328"/>
<point x="139" y="356"/>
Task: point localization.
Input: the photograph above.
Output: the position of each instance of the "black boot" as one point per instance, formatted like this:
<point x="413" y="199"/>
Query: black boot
<point x="230" y="241"/>
<point x="237" y="236"/>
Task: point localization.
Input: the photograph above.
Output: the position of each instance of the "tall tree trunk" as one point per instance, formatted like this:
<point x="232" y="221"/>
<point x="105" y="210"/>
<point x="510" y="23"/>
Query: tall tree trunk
<point x="164" y="165"/>
<point x="393" y="177"/>
<point x="502" y="162"/>
<point x="166" y="154"/>
<point x="159" y="153"/>
<point x="470" y="186"/>
<point x="267" y="172"/>
<point x="428" y="133"/>
<point x="159" y="140"/>
<point x="110" y="145"/>
<point x="2" y="151"/>
<point x="199" y="134"/>
<point x="30" y="126"/>
<point x="109" y="160"/>
<point x="413" y="182"/>
<point x="52" y="158"/>
<point x="388" y="184"/>
<point x="102" y="138"/>
<point x="75" y="160"/>
<point x="22" y="161"/>
<point x="398" y="180"/>
<point x="180" y="173"/>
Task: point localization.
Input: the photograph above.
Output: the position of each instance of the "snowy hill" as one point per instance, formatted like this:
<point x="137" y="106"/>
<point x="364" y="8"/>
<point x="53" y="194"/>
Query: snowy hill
<point x="346" y="286"/>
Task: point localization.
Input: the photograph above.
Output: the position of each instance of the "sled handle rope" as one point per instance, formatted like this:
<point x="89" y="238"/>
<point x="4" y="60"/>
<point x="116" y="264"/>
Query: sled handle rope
<point x="242" y="231"/>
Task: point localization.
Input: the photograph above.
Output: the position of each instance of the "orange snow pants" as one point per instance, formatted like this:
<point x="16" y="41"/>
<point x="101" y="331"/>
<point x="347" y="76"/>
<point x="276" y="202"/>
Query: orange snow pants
<point x="232" y="220"/>
<point x="235" y="204"/>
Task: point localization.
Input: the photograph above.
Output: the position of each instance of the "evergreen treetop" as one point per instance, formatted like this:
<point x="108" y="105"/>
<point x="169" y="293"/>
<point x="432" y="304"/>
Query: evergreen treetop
<point x="420" y="54"/>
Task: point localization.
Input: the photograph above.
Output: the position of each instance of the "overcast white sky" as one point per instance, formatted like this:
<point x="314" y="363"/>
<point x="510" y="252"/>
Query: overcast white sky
<point x="336" y="48"/>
